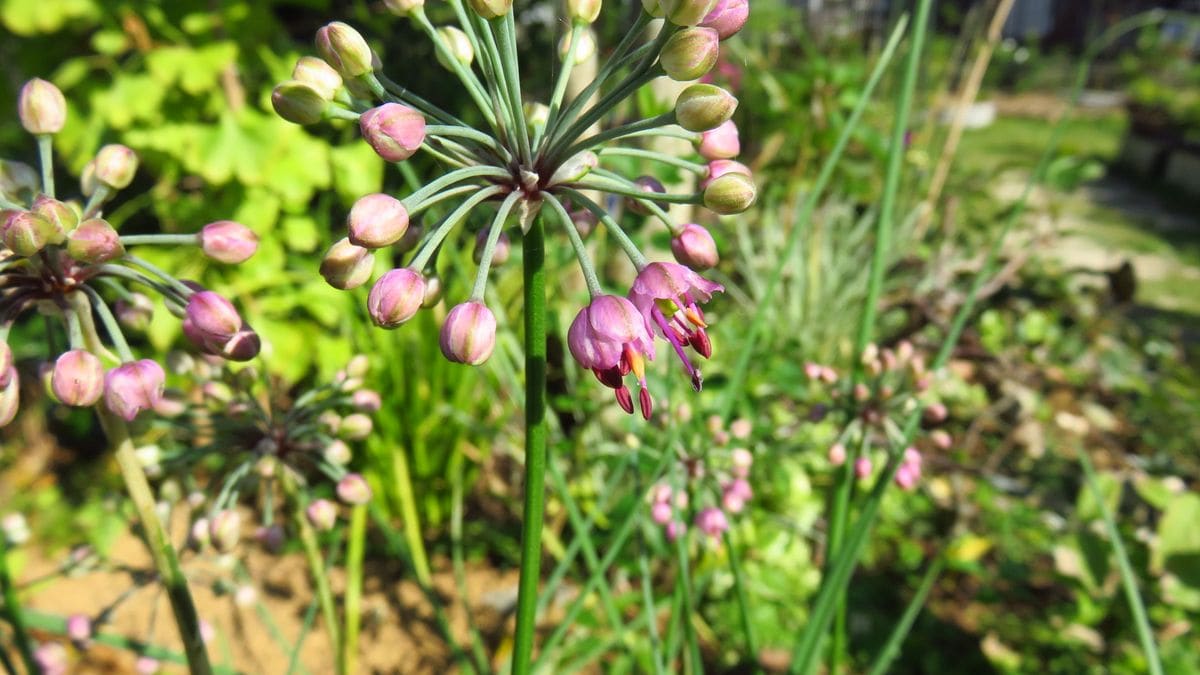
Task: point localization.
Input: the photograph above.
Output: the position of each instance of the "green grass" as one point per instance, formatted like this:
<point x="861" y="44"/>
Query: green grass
<point x="1011" y="141"/>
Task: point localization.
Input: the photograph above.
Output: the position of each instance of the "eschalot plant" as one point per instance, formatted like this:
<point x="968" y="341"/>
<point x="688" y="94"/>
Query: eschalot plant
<point x="537" y="162"/>
<point x="64" y="261"/>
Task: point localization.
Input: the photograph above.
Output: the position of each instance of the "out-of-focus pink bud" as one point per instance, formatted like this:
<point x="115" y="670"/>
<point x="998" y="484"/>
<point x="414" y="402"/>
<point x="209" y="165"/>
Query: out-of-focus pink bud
<point x="812" y="370"/>
<point x="133" y="387"/>
<point x="51" y="658"/>
<point x="720" y="143"/>
<point x="649" y="185"/>
<point x="396" y="297"/>
<point x="469" y="333"/>
<point x="353" y="489"/>
<point x="225" y="529"/>
<point x="395" y="131"/>
<point x="79" y="629"/>
<point x="134" y="313"/>
<point x="936" y="413"/>
<point x="674" y="530"/>
<point x="377" y="220"/>
<point x="829" y="375"/>
<point x="6" y="363"/>
<point x="228" y="242"/>
<point x="941" y="439"/>
<point x="742" y="460"/>
<point x="694" y="247"/>
<point x="366" y="400"/>
<point x="861" y="392"/>
<point x="41" y="107"/>
<point x="199" y="537"/>
<point x="727" y="17"/>
<point x="712" y="522"/>
<point x="355" y="427"/>
<point x="500" y="254"/>
<point x="337" y="452"/>
<point x="322" y="514"/>
<point x="346" y="266"/>
<point x="721" y="167"/>
<point x="837" y="454"/>
<point x="78" y="378"/>
<point x="735" y="495"/>
<point x="863" y="467"/>
<point x="115" y="166"/>
<point x="95" y="242"/>
<point x="146" y="665"/>
<point x="661" y="512"/>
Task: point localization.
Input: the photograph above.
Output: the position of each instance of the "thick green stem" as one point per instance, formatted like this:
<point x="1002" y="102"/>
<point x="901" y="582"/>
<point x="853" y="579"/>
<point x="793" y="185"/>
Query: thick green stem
<point x="161" y="550"/>
<point x="535" y="444"/>
<point x="12" y="610"/>
<point x="354" y="578"/>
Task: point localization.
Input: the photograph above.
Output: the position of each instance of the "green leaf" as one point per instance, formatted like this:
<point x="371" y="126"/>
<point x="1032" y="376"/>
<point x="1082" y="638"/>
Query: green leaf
<point x="357" y="171"/>
<point x="1178" y="535"/>
<point x="1110" y="486"/>
<point x="33" y="17"/>
<point x="300" y="233"/>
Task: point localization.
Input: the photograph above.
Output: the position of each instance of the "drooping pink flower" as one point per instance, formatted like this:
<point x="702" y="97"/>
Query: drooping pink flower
<point x="735" y="494"/>
<point x="668" y="296"/>
<point x="712" y="522"/>
<point x="133" y="387"/>
<point x="611" y="338"/>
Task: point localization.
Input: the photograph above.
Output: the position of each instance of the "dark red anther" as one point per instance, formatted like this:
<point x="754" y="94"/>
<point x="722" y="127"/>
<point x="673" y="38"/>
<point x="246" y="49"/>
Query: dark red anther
<point x="645" y="402"/>
<point x="624" y="399"/>
<point x="625" y="364"/>
<point x="701" y="343"/>
<point x="697" y="380"/>
<point x="609" y="377"/>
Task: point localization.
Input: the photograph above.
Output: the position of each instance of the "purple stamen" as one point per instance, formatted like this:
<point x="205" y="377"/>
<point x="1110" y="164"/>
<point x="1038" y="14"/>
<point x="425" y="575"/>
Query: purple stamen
<point x="669" y="334"/>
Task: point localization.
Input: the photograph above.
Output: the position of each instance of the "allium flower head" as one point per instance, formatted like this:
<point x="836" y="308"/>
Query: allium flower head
<point x="523" y="161"/>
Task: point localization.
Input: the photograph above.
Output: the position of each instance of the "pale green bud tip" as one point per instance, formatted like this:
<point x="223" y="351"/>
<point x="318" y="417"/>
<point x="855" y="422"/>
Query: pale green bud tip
<point x="298" y="102"/>
<point x="701" y="107"/>
<point x="115" y="166"/>
<point x="686" y="12"/>
<point x="583" y="10"/>
<point x="653" y="7"/>
<point x="41" y="107"/>
<point x="345" y="49"/>
<point x="403" y="7"/>
<point x="458" y="44"/>
<point x="730" y="193"/>
<point x="690" y="53"/>
<point x="347" y="266"/>
<point x="319" y="75"/>
<point x="491" y="9"/>
<point x="94" y="241"/>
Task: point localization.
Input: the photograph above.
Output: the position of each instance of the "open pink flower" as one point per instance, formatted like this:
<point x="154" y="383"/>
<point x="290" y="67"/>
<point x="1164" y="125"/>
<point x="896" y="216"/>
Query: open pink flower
<point x="611" y="338"/>
<point x="668" y="296"/>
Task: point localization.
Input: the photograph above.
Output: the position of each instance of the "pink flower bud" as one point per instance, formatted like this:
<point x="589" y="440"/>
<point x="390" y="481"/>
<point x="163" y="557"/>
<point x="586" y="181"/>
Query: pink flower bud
<point x="146" y="665"/>
<point x="720" y="143"/>
<point x="299" y="102"/>
<point x="377" y="220"/>
<point x="358" y="366"/>
<point x="649" y="185"/>
<point x="228" y="242"/>
<point x="907" y="476"/>
<point x="355" y="427"/>
<point x="742" y="460"/>
<point x="812" y="370"/>
<point x="862" y="467"/>
<point x="135" y="313"/>
<point x="353" y="489"/>
<point x="837" y="454"/>
<point x="210" y="321"/>
<point x="712" y="522"/>
<point x="741" y="428"/>
<point x="319" y="75"/>
<point x="721" y="167"/>
<point x="346" y="266"/>
<point x="198" y="536"/>
<point x="62" y="217"/>
<point x="78" y="378"/>
<point x="702" y="107"/>
<point x="731" y="193"/>
<point x="936" y="413"/>
<point x="51" y="658"/>
<point x="469" y="333"/>
<point x="395" y="131"/>
<point x="270" y="538"/>
<point x="41" y="107"/>
<point x="727" y="17"/>
<point x="337" y="452"/>
<point x="26" y="233"/>
<point x="499" y="255"/>
<point x="403" y="7"/>
<point x="345" y="49"/>
<point x="95" y="242"/>
<point x="133" y="387"/>
<point x="685" y="12"/>
<point x="115" y="166"/>
<point x="660" y="493"/>
<point x="225" y="529"/>
<point x="735" y="495"/>
<point x="79" y="628"/>
<point x="829" y="375"/>
<point x="322" y="514"/>
<point x="207" y="632"/>
<point x="6" y="363"/>
<point x="690" y="53"/>
<point x="583" y="10"/>
<point x="941" y="439"/>
<point x="366" y="400"/>
<point x="674" y="530"/>
<point x="694" y="247"/>
<point x="661" y="513"/>
<point x="861" y="392"/>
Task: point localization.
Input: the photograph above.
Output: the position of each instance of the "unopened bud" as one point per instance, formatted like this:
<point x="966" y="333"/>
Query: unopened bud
<point x="346" y="266"/>
<point x="649" y="185"/>
<point x="491" y="9"/>
<point x="395" y="131"/>
<point x="403" y="7"/>
<point x="319" y="75"/>
<point x="62" y="217"/>
<point x="345" y="49"/>
<point x="79" y="628"/>
<point x="731" y="193"/>
<point x="500" y="254"/>
<point x="458" y="45"/>
<point x="701" y="107"/>
<point x="469" y="333"/>
<point x="135" y="312"/>
<point x="396" y="297"/>
<point x="322" y="514"/>
<point x="575" y="168"/>
<point x="694" y="247"/>
<point x="712" y="522"/>
<point x="133" y="387"/>
<point x="686" y="12"/>
<point x="837" y="454"/>
<point x="727" y="17"/>
<point x="583" y="10"/>
<point x="720" y="143"/>
<point x="26" y="233"/>
<point x="228" y="242"/>
<point x="355" y="427"/>
<point x="78" y="378"/>
<point x="690" y="53"/>
<point x="353" y="489"/>
<point x="115" y="166"/>
<point x="536" y="115"/>
<point x="337" y="452"/>
<point x="95" y="242"/>
<point x="225" y="530"/>
<point x="10" y="395"/>
<point x="41" y="107"/>
<point x="653" y="7"/>
<point x="298" y="102"/>
<point x="377" y="220"/>
<point x="863" y="467"/>
<point x="433" y="292"/>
